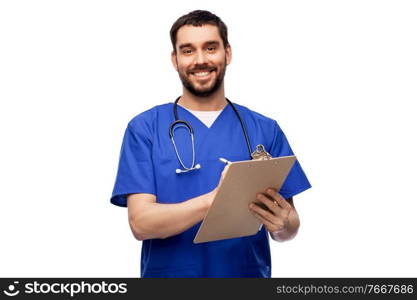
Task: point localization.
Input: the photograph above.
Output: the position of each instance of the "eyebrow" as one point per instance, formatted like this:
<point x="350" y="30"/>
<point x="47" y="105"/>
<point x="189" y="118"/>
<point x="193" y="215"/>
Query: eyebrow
<point x="184" y="45"/>
<point x="206" y="43"/>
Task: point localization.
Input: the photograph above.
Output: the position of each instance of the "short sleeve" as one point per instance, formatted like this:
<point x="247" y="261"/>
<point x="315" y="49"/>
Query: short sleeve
<point x="135" y="172"/>
<point x="296" y="181"/>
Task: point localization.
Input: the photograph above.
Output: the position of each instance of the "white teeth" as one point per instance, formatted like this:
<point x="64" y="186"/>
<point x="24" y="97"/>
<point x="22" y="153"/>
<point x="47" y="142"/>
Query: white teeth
<point x="201" y="74"/>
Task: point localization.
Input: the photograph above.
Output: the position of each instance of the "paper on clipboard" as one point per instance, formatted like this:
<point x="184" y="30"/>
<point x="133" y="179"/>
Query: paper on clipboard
<point x="229" y="215"/>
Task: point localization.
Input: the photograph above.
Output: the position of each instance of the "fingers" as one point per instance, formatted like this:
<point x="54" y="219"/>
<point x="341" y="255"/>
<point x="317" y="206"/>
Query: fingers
<point x="275" y="213"/>
<point x="224" y="172"/>
<point x="222" y="175"/>
<point x="264" y="214"/>
<point x="270" y="204"/>
<point x="270" y="226"/>
<point x="275" y="203"/>
<point x="278" y="198"/>
<point x="225" y="169"/>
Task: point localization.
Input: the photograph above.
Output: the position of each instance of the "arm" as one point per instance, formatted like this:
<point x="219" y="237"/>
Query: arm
<point x="280" y="218"/>
<point x="151" y="220"/>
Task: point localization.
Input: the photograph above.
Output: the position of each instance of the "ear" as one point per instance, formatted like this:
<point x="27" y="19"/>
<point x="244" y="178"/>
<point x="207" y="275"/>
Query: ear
<point x="174" y="60"/>
<point x="228" y="54"/>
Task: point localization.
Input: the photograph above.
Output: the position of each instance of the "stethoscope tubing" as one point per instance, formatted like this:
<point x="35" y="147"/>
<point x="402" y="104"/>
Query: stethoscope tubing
<point x="191" y="131"/>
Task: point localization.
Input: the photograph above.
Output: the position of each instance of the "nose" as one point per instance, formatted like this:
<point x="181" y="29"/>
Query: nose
<point x="200" y="58"/>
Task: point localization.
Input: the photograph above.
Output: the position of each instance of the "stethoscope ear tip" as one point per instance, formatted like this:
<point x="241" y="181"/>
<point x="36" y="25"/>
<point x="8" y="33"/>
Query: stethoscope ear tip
<point x="177" y="171"/>
<point x="197" y="166"/>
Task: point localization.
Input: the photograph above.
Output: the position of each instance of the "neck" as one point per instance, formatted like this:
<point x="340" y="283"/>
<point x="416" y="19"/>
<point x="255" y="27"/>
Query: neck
<point x="216" y="101"/>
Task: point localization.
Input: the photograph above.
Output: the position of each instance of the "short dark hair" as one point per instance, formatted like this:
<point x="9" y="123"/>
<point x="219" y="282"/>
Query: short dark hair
<point x="199" y="18"/>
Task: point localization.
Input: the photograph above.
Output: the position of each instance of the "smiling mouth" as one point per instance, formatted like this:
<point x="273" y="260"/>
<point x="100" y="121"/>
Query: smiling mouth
<point x="202" y="73"/>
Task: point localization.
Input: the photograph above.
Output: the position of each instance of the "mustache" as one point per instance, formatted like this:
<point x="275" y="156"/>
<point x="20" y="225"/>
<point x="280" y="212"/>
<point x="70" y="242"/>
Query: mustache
<point x="202" y="68"/>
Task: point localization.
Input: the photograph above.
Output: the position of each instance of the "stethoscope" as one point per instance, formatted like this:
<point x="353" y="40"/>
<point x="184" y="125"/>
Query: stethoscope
<point x="183" y="123"/>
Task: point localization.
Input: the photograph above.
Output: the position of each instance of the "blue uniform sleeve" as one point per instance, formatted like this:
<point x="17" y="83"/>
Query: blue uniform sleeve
<point x="135" y="173"/>
<point x="296" y="181"/>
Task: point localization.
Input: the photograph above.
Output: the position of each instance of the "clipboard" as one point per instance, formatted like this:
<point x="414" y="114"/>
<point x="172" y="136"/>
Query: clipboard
<point x="229" y="215"/>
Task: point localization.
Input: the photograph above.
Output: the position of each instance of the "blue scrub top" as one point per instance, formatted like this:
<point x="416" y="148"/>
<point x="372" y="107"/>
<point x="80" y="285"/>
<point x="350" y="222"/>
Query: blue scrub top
<point x="148" y="163"/>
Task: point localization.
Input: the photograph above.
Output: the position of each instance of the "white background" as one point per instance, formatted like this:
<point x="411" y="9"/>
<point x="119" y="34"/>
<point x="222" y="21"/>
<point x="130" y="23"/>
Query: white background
<point x="339" y="77"/>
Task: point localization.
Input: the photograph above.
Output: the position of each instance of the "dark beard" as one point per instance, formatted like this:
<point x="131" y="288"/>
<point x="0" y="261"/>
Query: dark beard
<point x="204" y="93"/>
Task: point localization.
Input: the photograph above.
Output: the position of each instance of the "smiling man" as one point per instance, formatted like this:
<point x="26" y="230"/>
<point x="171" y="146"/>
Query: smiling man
<point x="200" y="59"/>
<point x="169" y="169"/>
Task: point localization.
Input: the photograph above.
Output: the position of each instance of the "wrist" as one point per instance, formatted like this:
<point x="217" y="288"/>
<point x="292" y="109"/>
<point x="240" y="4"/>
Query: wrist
<point x="289" y="231"/>
<point x="209" y="197"/>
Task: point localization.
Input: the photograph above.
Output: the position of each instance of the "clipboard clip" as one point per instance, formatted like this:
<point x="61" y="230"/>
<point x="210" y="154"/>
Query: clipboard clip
<point x="260" y="153"/>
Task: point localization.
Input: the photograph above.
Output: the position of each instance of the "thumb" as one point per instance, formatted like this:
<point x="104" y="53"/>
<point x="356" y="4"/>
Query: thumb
<point x="224" y="172"/>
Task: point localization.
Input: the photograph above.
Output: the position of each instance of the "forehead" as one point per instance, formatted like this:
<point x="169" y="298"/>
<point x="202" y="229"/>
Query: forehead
<point x="197" y="35"/>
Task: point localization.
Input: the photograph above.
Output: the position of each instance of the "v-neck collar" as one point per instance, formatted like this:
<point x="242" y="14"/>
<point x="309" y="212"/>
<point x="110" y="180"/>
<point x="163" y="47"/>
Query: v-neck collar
<point x="199" y="122"/>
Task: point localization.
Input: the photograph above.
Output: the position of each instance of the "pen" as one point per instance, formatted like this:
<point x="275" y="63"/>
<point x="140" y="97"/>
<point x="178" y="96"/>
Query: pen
<point x="224" y="160"/>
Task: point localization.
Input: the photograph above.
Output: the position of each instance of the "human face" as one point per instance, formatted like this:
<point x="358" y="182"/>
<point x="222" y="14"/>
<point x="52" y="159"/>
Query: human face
<point x="201" y="59"/>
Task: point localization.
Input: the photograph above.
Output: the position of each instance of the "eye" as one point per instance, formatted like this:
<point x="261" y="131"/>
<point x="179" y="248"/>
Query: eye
<point x="211" y="48"/>
<point x="187" y="51"/>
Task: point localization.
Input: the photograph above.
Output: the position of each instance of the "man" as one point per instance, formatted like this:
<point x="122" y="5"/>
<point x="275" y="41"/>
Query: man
<point x="165" y="206"/>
